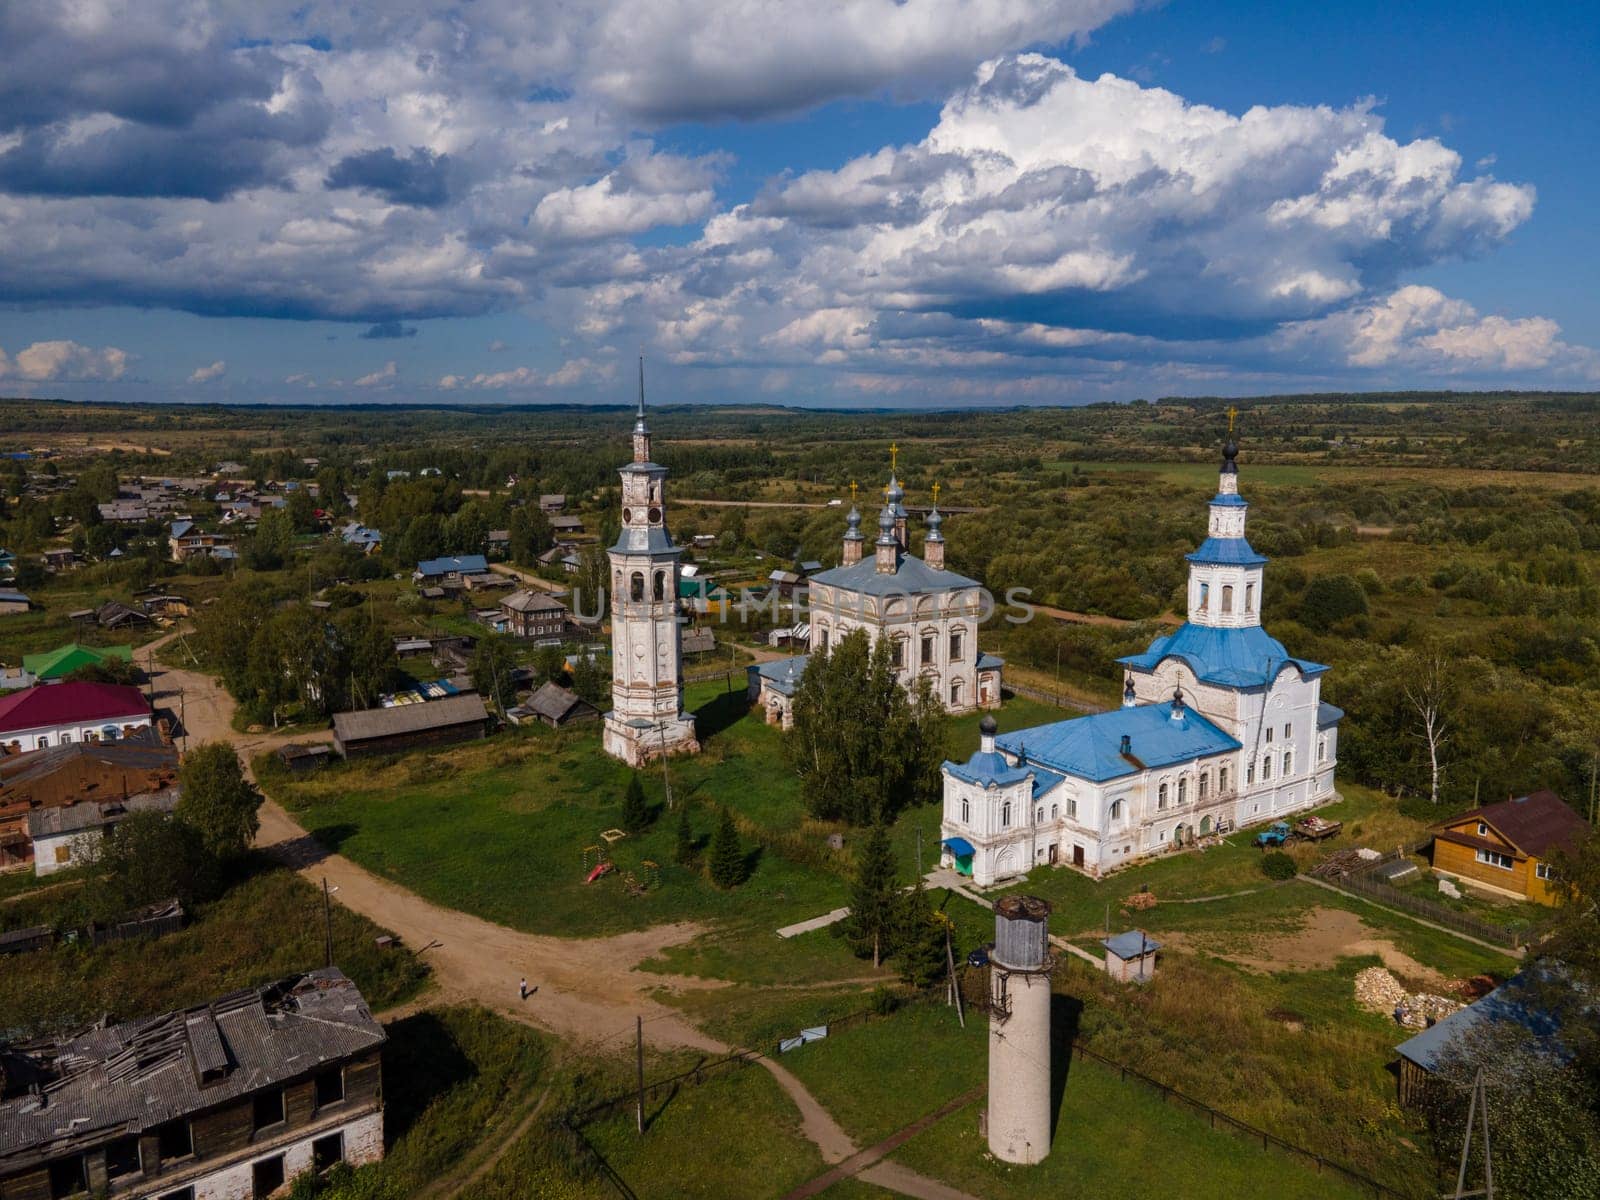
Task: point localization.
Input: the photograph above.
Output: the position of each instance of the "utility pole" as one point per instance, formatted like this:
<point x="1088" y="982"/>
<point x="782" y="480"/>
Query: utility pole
<point x="955" y="987"/>
<point x="1479" y="1106"/>
<point x="919" y="852"/>
<point x="666" y="779"/>
<point x="327" y="922"/>
<point x="638" y="1033"/>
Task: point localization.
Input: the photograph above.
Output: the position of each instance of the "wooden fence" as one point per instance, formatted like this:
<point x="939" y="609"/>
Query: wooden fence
<point x="1362" y="882"/>
<point x="1059" y="700"/>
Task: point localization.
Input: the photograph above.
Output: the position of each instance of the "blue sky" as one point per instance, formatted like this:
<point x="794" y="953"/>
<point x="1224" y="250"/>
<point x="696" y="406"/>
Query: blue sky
<point x="853" y="202"/>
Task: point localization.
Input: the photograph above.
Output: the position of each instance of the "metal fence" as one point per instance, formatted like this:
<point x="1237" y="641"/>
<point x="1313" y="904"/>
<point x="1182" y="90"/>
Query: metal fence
<point x="1221" y="1120"/>
<point x="1060" y="701"/>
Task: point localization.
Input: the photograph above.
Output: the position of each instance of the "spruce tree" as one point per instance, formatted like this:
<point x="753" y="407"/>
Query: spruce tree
<point x="873" y="900"/>
<point x="635" y="812"/>
<point x="685" y="850"/>
<point x="919" y="937"/>
<point x="727" y="855"/>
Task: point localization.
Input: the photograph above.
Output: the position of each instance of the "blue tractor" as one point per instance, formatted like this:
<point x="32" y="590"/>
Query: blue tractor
<point x="1274" y="835"/>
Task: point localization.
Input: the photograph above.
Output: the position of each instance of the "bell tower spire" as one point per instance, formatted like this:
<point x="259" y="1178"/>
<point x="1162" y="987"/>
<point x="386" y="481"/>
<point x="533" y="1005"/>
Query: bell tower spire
<point x="1225" y="572"/>
<point x="641" y="431"/>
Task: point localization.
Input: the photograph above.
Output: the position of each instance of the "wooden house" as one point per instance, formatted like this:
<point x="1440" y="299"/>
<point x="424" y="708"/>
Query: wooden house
<point x="1506" y="847"/>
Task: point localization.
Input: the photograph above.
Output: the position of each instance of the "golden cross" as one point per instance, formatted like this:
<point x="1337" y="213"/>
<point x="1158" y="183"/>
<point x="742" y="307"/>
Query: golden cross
<point x="936" y="494"/>
<point x="852" y="493"/>
<point x="1232" y="413"/>
<point x="894" y="456"/>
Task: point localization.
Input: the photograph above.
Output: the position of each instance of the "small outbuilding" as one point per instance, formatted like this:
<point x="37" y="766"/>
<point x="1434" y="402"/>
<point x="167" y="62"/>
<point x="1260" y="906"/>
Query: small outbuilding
<point x="1131" y="956"/>
<point x="301" y="758"/>
<point x="556" y="706"/>
<point x="391" y="730"/>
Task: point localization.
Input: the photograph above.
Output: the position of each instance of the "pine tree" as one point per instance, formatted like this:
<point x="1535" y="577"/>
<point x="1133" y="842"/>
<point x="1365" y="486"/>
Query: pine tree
<point x="685" y="850"/>
<point x="919" y="938"/>
<point x="727" y="855"/>
<point x="635" y="812"/>
<point x="873" y="900"/>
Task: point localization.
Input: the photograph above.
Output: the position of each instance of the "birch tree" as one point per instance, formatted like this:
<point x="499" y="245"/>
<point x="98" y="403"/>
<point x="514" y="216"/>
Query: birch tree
<point x="1429" y="690"/>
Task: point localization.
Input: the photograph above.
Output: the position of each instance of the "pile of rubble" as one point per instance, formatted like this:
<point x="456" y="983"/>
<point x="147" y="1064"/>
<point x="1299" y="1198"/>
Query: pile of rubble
<point x="1379" y="991"/>
<point x="1343" y="862"/>
<point x="1141" y="900"/>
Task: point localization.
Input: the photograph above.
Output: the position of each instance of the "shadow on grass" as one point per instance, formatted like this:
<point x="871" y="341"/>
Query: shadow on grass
<point x="1066" y="1013"/>
<point x="717" y="715"/>
<point x="421" y="1063"/>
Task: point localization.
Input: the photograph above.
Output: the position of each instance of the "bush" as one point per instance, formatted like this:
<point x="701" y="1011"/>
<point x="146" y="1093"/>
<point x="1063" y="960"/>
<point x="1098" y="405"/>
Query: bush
<point x="1330" y="599"/>
<point x="1278" y="865"/>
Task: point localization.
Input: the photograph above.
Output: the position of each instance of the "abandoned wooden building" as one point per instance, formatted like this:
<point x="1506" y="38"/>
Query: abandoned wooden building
<point x="391" y="730"/>
<point x="556" y="706"/>
<point x="231" y="1098"/>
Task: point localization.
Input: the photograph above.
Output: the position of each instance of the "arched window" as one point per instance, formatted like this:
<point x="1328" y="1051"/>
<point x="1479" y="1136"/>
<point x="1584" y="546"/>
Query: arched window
<point x="636" y="586"/>
<point x="897" y="653"/>
<point x="1183" y="790"/>
<point x="956" y="644"/>
<point x="1288" y="762"/>
<point x="1250" y="772"/>
<point x="1161" y="796"/>
<point x="661" y="585"/>
<point x="1038" y="815"/>
<point x="1005" y="815"/>
<point x="1205" y="782"/>
<point x="1205" y="596"/>
<point x="1222" y="779"/>
<point x="1249" y="597"/>
<point x="1116" y="810"/>
<point x="955" y="692"/>
<point x="1055" y="812"/>
<point x="822" y="643"/>
<point x="1266" y="766"/>
<point x="966" y="810"/>
<point x="1322" y="750"/>
<point x="1227" y="597"/>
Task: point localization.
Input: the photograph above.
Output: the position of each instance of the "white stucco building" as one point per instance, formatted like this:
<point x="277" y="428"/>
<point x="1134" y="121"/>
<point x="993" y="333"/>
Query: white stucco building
<point x="929" y="614"/>
<point x="647" y="717"/>
<point x="59" y="713"/>
<point x="1220" y="727"/>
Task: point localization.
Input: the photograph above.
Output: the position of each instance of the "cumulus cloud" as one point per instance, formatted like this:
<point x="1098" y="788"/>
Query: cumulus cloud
<point x="387" y="375"/>
<point x="206" y="374"/>
<point x="574" y="371"/>
<point x="63" y="361"/>
<point x="421" y="178"/>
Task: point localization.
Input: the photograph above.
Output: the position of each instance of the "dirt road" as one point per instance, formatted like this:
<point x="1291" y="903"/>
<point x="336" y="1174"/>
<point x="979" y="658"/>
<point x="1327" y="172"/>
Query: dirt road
<point x="587" y="991"/>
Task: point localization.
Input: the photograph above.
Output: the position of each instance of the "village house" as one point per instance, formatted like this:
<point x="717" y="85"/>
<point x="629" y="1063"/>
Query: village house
<point x="13" y="602"/>
<point x="1506" y="847"/>
<point x="451" y="567"/>
<point x="551" y="503"/>
<point x="368" y="541"/>
<point x="555" y="706"/>
<point x="63" y="713"/>
<point x="78" y="788"/>
<point x="114" y="614"/>
<point x="185" y="541"/>
<point x="566" y="526"/>
<point x="231" y="1098"/>
<point x="531" y="613"/>
<point x="64" y="660"/>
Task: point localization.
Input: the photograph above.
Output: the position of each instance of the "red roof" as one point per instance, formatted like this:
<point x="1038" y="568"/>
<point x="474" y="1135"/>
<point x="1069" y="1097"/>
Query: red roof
<point x="54" y="704"/>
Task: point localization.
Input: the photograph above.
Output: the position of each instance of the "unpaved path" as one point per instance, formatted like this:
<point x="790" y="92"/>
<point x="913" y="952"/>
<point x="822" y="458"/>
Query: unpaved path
<point x="588" y="991"/>
<point x="1327" y="935"/>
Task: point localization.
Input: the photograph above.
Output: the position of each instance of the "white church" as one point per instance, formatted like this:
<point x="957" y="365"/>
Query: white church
<point x="1219" y="727"/>
<point x="647" y="716"/>
<point x="929" y="614"/>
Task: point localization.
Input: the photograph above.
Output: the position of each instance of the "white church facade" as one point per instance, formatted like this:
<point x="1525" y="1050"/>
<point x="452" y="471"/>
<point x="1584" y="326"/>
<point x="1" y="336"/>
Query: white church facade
<point x="647" y="717"/>
<point x="929" y="614"/>
<point x="1219" y="727"/>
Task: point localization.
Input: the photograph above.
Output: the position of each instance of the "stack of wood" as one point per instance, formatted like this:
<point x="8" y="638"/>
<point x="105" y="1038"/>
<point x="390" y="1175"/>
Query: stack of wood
<point x="1339" y="864"/>
<point x="1142" y="900"/>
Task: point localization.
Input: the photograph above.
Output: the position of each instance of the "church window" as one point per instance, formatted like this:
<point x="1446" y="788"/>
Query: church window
<point x="1288" y="762"/>
<point x="1038" y="815"/>
<point x="636" y="586"/>
<point x="1072" y="808"/>
<point x="1116" y="810"/>
<point x="1249" y="597"/>
<point x="661" y="585"/>
<point x="1322" y="750"/>
<point x="1288" y="732"/>
<point x="955" y="691"/>
<point x="966" y="810"/>
<point x="1161" y="796"/>
<point x="1055" y="812"/>
<point x="1205" y="596"/>
<point x="822" y="643"/>
<point x="1005" y="815"/>
<point x="1222" y="779"/>
<point x="955" y="645"/>
<point x="1269" y="735"/>
<point x="1266" y="766"/>
<point x="927" y="648"/>
<point x="897" y="653"/>
<point x="1250" y="772"/>
<point x="1205" y="783"/>
<point x="616" y="584"/>
<point x="1183" y="790"/>
<point x="1227" y="597"/>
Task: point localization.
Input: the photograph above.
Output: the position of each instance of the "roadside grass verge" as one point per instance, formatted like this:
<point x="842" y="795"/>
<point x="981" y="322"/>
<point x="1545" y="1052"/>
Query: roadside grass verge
<point x="267" y="925"/>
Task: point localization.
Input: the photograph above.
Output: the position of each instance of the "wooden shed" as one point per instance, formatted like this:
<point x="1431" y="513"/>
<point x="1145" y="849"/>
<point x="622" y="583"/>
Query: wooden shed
<point x="406" y="726"/>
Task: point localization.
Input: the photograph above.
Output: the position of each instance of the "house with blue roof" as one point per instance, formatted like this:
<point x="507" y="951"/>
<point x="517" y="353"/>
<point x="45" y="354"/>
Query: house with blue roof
<point x="1220" y="727"/>
<point x="928" y="613"/>
<point x="453" y="566"/>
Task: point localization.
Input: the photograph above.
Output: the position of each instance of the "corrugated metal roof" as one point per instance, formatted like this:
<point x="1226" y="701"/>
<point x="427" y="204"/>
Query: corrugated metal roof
<point x="1228" y="552"/>
<point x="1246" y="656"/>
<point x="1091" y="747"/>
<point x="911" y="577"/>
<point x="66" y="703"/>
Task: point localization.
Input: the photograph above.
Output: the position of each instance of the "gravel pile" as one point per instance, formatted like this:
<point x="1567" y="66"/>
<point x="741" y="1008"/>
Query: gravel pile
<point x="1378" y="991"/>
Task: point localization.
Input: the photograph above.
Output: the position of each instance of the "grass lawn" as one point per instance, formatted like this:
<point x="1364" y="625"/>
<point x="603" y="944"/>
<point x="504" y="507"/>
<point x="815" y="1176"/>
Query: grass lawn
<point x="266" y="926"/>
<point x="500" y="828"/>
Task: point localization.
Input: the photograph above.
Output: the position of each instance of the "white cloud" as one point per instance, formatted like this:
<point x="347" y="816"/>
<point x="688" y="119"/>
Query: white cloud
<point x="63" y="361"/>
<point x="381" y="378"/>
<point x="206" y="374"/>
<point x="572" y="372"/>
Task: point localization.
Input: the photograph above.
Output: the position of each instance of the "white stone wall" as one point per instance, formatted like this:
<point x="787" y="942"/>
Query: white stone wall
<point x="79" y="845"/>
<point x="77" y="731"/>
<point x="834" y="613"/>
<point x="363" y="1143"/>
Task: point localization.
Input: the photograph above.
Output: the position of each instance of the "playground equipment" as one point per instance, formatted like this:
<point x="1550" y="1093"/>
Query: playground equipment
<point x="600" y="869"/>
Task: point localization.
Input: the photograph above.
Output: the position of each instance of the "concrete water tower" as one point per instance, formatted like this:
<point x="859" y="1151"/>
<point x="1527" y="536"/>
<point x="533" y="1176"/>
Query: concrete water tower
<point x="1019" y="1116"/>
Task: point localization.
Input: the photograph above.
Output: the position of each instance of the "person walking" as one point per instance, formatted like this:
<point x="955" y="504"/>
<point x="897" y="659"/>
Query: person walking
<point x="522" y="988"/>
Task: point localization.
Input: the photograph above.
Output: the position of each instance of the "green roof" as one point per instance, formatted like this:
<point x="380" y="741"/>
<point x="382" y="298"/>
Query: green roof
<point x="64" y="660"/>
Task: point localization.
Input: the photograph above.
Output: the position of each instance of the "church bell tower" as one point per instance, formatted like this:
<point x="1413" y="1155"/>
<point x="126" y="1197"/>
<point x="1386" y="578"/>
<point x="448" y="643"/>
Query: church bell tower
<point x="647" y="717"/>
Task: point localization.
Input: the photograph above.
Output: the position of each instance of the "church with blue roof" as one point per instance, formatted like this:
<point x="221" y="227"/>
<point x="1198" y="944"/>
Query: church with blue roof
<point x="1220" y="727"/>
